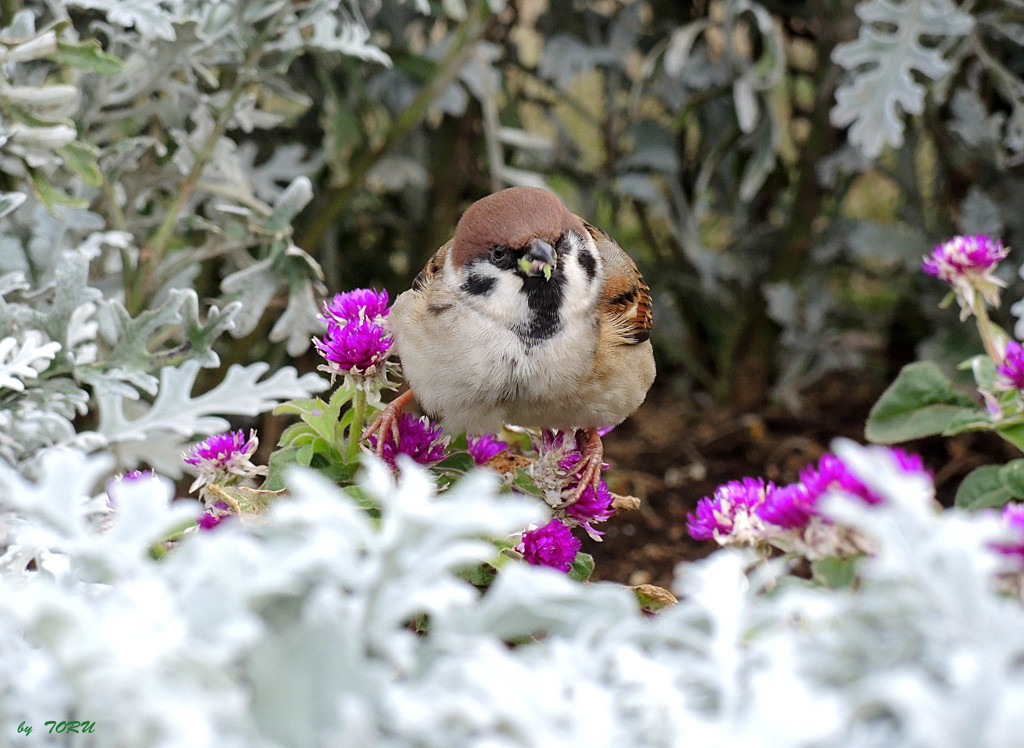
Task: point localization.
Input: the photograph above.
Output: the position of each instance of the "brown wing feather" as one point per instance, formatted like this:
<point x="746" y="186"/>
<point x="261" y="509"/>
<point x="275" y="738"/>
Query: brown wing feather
<point x="625" y="298"/>
<point x="432" y="268"/>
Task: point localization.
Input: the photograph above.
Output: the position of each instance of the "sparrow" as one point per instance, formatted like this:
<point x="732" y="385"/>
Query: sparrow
<point x="528" y="316"/>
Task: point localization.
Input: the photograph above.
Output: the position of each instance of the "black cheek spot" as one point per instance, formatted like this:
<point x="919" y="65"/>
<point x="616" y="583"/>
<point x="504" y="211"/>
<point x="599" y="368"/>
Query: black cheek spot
<point x="588" y="263"/>
<point x="478" y="285"/>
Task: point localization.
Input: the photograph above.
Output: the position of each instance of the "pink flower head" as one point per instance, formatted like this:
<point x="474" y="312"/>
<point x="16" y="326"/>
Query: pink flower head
<point x="552" y="545"/>
<point x="730" y="514"/>
<point x="789" y="507"/>
<point x="130" y="476"/>
<point x="1011" y="370"/>
<point x="592" y="506"/>
<point x="362" y="304"/>
<point x="222" y="458"/>
<point x="418" y="438"/>
<point x="354" y="348"/>
<point x="484" y="447"/>
<point x="832" y="474"/>
<point x="213" y="516"/>
<point x="1013" y="518"/>
<point x="793" y="506"/>
<point x="967" y="264"/>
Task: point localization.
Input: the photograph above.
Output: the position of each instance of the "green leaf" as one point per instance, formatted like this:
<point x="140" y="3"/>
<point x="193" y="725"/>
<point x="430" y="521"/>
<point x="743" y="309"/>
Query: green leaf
<point x="524" y="483"/>
<point x="984" y="370"/>
<point x="986" y="487"/>
<point x="921" y="402"/>
<point x="836" y="573"/>
<point x="82" y="159"/>
<point x="294" y="198"/>
<point x="970" y="420"/>
<point x="460" y="463"/>
<point x="1013" y="433"/>
<point x="479" y="575"/>
<point x="653" y="598"/>
<point x="582" y="567"/>
<point x="323" y="418"/>
<point x="340" y="474"/>
<point x="51" y="197"/>
<point x="279" y="460"/>
<point x="1012" y="476"/>
<point x="87" y="55"/>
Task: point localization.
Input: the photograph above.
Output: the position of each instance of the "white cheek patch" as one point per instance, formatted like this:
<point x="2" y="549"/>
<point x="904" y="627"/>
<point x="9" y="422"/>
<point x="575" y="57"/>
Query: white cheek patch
<point x="493" y="292"/>
<point x="584" y="274"/>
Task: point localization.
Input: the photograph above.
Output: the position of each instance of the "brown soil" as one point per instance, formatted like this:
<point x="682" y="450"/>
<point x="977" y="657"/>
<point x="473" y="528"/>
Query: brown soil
<point x="674" y="451"/>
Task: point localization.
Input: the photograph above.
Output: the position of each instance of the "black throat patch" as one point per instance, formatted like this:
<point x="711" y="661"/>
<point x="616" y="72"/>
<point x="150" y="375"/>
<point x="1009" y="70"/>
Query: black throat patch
<point x="544" y="298"/>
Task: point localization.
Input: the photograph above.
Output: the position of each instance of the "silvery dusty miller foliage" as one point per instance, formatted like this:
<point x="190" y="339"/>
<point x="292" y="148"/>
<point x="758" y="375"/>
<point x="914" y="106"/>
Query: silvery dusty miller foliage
<point x="296" y="632"/>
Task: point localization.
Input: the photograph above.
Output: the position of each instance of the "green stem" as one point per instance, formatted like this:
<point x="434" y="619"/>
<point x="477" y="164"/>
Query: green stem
<point x="470" y="31"/>
<point x="154" y="250"/>
<point x="355" y="429"/>
<point x="985" y="329"/>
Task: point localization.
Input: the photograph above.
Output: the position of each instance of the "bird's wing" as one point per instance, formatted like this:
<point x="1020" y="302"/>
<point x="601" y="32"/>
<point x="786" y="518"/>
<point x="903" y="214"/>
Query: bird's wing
<point x="433" y="267"/>
<point x="625" y="298"/>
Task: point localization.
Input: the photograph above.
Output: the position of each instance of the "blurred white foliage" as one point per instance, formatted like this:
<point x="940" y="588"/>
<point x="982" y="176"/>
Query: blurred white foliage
<point x="296" y="632"/>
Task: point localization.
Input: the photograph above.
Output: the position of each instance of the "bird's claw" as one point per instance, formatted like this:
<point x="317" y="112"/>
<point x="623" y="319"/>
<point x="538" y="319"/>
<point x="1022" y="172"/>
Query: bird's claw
<point x="387" y="420"/>
<point x="590" y="465"/>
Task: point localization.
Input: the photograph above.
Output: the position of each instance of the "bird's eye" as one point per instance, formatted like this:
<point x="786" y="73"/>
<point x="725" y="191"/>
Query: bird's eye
<point x="498" y="252"/>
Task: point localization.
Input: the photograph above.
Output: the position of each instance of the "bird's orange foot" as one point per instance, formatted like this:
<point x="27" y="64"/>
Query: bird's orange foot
<point x="386" y="421"/>
<point x="588" y="471"/>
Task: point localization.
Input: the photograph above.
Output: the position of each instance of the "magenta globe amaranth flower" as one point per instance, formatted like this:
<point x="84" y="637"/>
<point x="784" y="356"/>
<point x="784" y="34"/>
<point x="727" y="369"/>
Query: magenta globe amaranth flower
<point x="362" y="304"/>
<point x="792" y="507"/>
<point x="592" y="506"/>
<point x="126" y="478"/>
<point x="418" y="438"/>
<point x="967" y="264"/>
<point x="223" y="459"/>
<point x="484" y="447"/>
<point x="1011" y="370"/>
<point x="355" y="348"/>
<point x="213" y="516"/>
<point x="552" y="545"/>
<point x="1013" y="519"/>
<point x="730" y="514"/>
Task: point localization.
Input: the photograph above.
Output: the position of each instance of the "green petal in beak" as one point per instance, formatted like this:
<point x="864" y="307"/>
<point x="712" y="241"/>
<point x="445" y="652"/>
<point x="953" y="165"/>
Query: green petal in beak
<point x="540" y="259"/>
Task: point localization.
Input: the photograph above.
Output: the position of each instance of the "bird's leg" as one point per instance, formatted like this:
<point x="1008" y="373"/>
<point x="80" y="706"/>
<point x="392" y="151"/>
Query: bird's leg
<point x="386" y="421"/>
<point x="590" y="463"/>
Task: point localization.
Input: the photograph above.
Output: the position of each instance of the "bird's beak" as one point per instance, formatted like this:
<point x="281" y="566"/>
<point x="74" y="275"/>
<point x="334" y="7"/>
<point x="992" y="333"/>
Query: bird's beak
<point x="539" y="259"/>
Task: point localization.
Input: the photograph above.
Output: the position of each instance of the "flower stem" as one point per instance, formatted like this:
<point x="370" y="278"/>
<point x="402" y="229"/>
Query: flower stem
<point x="985" y="329"/>
<point x="355" y="428"/>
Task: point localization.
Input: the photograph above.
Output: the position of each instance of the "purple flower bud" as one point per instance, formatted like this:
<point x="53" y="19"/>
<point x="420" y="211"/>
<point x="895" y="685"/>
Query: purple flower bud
<point x="964" y="255"/>
<point x="792" y="507"/>
<point x="789" y="507"/>
<point x="1011" y="370"/>
<point x="213" y="516"/>
<point x="1013" y="518"/>
<point x="592" y="506"/>
<point x="418" y="438"/>
<point x="967" y="264"/>
<point x="484" y="447"/>
<point x="130" y="476"/>
<point x="222" y="458"/>
<point x="356" y="306"/>
<point x="730" y="515"/>
<point x="354" y="348"/>
<point x="552" y="545"/>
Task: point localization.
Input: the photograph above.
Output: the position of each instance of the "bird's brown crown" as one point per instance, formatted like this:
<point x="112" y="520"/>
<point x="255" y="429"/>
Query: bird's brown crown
<point x="511" y="218"/>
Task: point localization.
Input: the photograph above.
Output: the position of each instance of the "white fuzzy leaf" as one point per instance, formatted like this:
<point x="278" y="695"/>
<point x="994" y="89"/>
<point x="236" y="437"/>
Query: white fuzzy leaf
<point x="21" y="362"/>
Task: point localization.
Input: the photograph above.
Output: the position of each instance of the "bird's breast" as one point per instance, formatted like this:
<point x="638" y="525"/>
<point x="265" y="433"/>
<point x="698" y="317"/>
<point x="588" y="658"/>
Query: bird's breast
<point x="476" y="372"/>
